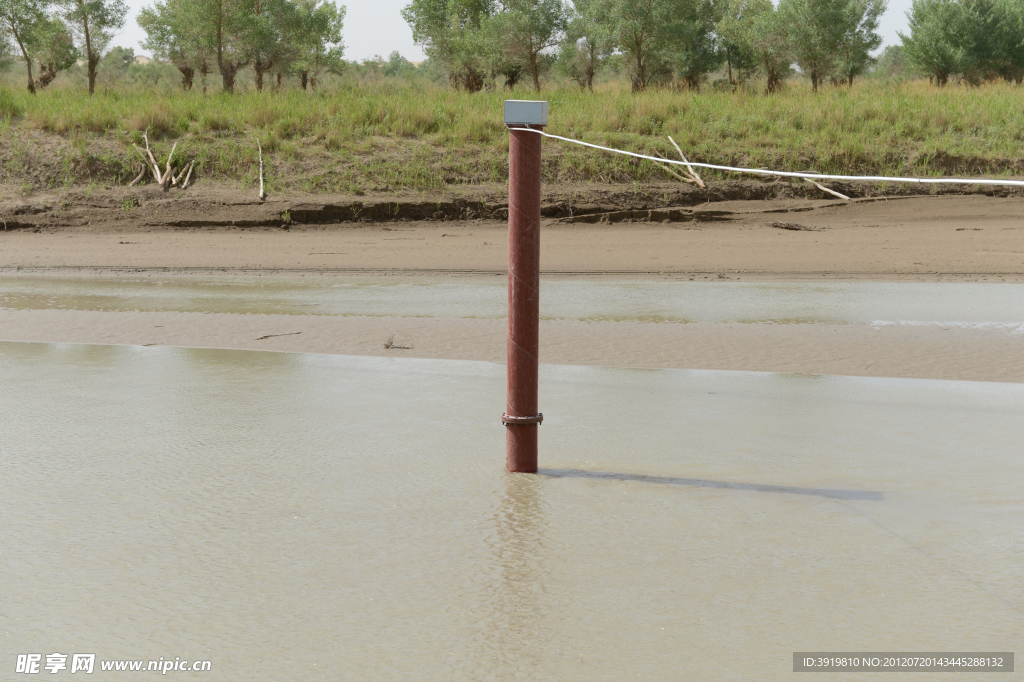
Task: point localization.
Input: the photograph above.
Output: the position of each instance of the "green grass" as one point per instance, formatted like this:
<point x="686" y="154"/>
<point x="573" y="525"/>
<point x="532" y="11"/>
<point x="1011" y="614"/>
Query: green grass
<point x="401" y="137"/>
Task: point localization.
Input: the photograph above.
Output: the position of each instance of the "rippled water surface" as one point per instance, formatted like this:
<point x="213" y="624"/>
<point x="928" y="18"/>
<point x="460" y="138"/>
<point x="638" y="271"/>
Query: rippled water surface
<point x="303" y="517"/>
<point x="997" y="306"/>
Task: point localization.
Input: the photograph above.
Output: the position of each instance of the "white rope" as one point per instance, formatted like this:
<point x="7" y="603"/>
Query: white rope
<point x="784" y="174"/>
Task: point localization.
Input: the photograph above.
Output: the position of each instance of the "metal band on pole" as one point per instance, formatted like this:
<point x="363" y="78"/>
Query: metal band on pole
<point x="522" y="416"/>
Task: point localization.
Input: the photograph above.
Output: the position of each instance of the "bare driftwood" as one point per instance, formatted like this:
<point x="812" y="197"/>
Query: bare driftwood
<point x="145" y="161"/>
<point x="668" y="169"/>
<point x="793" y="227"/>
<point x="141" y="175"/>
<point x="826" y="189"/>
<point x="168" y="177"/>
<point x="263" y="194"/>
<point x="400" y="341"/>
<point x="188" y="178"/>
<point x="274" y="336"/>
<point x="156" y="166"/>
<point x="689" y="168"/>
<point x="184" y="169"/>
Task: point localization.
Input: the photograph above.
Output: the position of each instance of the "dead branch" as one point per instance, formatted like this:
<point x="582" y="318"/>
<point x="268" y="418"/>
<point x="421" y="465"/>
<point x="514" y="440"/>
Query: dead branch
<point x="826" y="189"/>
<point x="263" y="194"/>
<point x="168" y="175"/>
<point x="155" y="169"/>
<point x="177" y="180"/>
<point x="156" y="166"/>
<point x="689" y="168"/>
<point x="274" y="336"/>
<point x="188" y="178"/>
<point x="400" y="341"/>
<point x="141" y="175"/>
<point x="669" y="170"/>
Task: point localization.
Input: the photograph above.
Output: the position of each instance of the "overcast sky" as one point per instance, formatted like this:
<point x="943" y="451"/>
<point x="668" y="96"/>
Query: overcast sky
<point x="376" y="27"/>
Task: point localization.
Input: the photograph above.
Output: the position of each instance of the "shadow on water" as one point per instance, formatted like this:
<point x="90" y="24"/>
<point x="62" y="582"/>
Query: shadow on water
<point x="831" y="493"/>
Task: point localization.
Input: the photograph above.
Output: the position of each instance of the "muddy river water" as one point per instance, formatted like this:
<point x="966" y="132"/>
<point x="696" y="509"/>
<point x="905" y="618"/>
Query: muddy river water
<point x="314" y="517"/>
<point x="973" y="305"/>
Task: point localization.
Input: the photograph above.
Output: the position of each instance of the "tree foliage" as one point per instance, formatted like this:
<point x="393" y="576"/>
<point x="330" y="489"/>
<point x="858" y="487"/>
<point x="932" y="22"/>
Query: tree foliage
<point x="93" y="23"/>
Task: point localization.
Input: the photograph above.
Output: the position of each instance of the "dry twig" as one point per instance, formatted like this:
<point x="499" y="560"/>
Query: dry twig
<point x="826" y="189"/>
<point x="188" y="178"/>
<point x="156" y="166"/>
<point x="689" y="168"/>
<point x="668" y="169"/>
<point x="400" y="341"/>
<point x="141" y="175"/>
<point x="168" y="177"/>
<point x="263" y="194"/>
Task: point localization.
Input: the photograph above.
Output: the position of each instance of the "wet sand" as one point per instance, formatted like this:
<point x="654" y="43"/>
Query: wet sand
<point x="972" y="239"/>
<point x="923" y="352"/>
<point x="955" y="238"/>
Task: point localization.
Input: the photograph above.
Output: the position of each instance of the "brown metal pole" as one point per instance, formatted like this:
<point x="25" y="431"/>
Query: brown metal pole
<point x="522" y="416"/>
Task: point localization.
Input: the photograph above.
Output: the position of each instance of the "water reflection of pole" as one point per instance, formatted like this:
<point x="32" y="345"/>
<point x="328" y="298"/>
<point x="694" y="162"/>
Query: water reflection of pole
<point x="518" y="603"/>
<point x="522" y="416"/>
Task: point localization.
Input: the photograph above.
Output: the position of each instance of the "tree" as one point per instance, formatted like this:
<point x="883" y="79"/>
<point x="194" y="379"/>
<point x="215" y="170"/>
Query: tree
<point x="270" y="26"/>
<point x="891" y="64"/>
<point x="816" y="29"/>
<point x="398" y="66"/>
<point x="644" y="30"/>
<point x="451" y="32"/>
<point x="988" y="39"/>
<point x="1011" y="40"/>
<point x="734" y="38"/>
<point x="19" y="19"/>
<point x="697" y="51"/>
<point x="5" y="50"/>
<point x="227" y="20"/>
<point x="55" y="49"/>
<point x="525" y="29"/>
<point x="94" y="23"/>
<point x="178" y="33"/>
<point x="766" y="30"/>
<point x="318" y="40"/>
<point x="860" y="37"/>
<point x="936" y="42"/>
<point x="588" y="41"/>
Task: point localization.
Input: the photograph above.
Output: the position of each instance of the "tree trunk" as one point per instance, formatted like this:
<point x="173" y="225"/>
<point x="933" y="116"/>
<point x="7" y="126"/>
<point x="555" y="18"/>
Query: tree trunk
<point x="228" y="71"/>
<point x="257" y="66"/>
<point x="591" y="67"/>
<point x="814" y="80"/>
<point x="850" y="80"/>
<point x="728" y="63"/>
<point x="94" y="61"/>
<point x="535" y="69"/>
<point x="91" y="58"/>
<point x="279" y="81"/>
<point x="46" y="75"/>
<point x="187" y="76"/>
<point x="28" y="65"/>
<point x="304" y="79"/>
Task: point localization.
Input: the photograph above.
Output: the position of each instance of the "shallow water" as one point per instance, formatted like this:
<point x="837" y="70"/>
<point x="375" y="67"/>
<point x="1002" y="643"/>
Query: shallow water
<point x="974" y="305"/>
<point x="305" y="517"/>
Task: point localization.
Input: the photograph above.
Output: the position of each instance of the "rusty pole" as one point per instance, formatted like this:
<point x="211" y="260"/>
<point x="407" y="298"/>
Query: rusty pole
<point x="522" y="417"/>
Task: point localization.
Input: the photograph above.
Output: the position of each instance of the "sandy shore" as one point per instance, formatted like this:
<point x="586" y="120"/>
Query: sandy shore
<point x="921" y="239"/>
<point x="929" y="352"/>
<point x="969" y="238"/>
